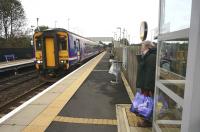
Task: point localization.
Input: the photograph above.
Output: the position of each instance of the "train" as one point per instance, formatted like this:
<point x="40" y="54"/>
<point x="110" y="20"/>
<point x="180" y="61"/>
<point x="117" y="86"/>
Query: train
<point x="57" y="50"/>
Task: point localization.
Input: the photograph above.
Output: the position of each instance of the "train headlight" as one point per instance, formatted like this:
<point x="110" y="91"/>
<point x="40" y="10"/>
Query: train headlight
<point x="39" y="61"/>
<point x="63" y="61"/>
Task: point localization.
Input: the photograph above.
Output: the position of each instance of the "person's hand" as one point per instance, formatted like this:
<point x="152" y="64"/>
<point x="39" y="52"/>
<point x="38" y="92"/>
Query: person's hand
<point x="151" y="93"/>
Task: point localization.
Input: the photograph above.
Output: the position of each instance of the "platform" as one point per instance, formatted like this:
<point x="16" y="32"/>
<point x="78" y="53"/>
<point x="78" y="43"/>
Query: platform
<point x="84" y="100"/>
<point x="15" y="64"/>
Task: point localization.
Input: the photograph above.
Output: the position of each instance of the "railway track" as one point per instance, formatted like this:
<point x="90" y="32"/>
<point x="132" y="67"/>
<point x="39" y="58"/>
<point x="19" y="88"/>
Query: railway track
<point x="18" y="89"/>
<point x="11" y="104"/>
<point x="7" y="79"/>
<point x="11" y="82"/>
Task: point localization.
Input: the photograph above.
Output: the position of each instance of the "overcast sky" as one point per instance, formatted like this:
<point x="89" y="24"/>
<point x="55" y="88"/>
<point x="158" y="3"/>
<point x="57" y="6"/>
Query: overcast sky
<point x="94" y="18"/>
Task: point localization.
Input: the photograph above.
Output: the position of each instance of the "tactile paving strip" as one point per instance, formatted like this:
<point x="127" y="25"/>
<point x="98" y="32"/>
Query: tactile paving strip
<point x="86" y="120"/>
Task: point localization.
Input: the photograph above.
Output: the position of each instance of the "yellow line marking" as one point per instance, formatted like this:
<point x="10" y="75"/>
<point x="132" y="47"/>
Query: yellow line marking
<point x="86" y="120"/>
<point x="42" y="121"/>
<point x="127" y="86"/>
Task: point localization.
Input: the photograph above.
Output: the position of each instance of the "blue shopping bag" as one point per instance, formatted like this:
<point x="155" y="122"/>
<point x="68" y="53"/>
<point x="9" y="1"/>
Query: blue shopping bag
<point x="145" y="109"/>
<point x="138" y="99"/>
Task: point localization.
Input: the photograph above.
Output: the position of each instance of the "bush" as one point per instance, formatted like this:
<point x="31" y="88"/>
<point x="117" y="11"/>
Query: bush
<point x="22" y="42"/>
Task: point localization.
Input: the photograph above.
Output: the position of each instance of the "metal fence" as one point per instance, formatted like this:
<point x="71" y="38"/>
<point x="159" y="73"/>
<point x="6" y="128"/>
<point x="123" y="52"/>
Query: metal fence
<point x="19" y="53"/>
<point x="128" y="56"/>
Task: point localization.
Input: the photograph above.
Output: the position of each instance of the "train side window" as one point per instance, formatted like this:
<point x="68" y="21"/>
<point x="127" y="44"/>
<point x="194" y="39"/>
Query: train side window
<point x="38" y="44"/>
<point x="74" y="44"/>
<point x="78" y="43"/>
<point x="62" y="43"/>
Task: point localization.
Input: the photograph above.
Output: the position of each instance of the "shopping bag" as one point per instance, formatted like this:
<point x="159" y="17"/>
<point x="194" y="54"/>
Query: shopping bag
<point x="138" y="99"/>
<point x="113" y="69"/>
<point x="145" y="109"/>
<point x="162" y="105"/>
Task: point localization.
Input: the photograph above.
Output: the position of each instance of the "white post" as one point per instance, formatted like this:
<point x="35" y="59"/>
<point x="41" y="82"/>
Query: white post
<point x="191" y="109"/>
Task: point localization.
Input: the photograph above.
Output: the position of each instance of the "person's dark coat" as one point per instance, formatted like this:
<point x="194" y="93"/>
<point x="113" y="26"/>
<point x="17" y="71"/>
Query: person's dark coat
<point x="146" y="71"/>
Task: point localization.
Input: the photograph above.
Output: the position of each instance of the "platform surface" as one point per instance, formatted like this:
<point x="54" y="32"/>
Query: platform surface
<point x="8" y="64"/>
<point x="82" y="101"/>
<point x="94" y="101"/>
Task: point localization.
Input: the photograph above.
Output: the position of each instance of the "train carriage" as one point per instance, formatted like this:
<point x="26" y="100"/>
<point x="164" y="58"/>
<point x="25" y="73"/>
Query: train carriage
<point x="59" y="49"/>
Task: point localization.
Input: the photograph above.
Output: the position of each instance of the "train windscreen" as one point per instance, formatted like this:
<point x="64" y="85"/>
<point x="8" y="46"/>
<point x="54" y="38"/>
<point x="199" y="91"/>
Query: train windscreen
<point x="62" y="43"/>
<point x="38" y="43"/>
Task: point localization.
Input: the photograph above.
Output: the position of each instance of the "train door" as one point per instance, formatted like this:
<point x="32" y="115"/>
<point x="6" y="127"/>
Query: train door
<point x="78" y="49"/>
<point x="50" y="53"/>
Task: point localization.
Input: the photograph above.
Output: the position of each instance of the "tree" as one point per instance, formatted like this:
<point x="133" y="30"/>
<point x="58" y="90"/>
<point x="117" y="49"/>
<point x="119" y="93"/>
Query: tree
<point x="17" y="17"/>
<point x="1" y="27"/>
<point x="124" y="41"/>
<point x="12" y="17"/>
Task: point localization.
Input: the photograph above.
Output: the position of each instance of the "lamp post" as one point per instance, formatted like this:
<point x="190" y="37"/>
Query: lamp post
<point x="115" y="36"/>
<point x="37" y="24"/>
<point x="32" y="41"/>
<point x="123" y="33"/>
<point x="120" y="33"/>
<point x="32" y="30"/>
<point x="68" y="22"/>
<point x="55" y="23"/>
<point x="123" y="36"/>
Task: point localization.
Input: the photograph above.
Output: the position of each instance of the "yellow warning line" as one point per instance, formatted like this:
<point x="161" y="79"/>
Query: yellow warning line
<point x="42" y="121"/>
<point x="127" y="86"/>
<point x="86" y="120"/>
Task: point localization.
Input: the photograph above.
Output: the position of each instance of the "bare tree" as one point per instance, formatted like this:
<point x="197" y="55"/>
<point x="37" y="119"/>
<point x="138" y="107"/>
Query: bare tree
<point x="17" y="17"/>
<point x="1" y="26"/>
<point x="12" y="17"/>
<point x="4" y="12"/>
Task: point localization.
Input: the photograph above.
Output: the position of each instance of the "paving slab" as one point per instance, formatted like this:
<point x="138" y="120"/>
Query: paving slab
<point x="61" y="87"/>
<point x="26" y="116"/>
<point x="47" y="99"/>
<point x="13" y="128"/>
<point x="70" y="127"/>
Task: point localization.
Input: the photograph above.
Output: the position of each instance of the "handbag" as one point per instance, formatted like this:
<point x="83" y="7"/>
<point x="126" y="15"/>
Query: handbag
<point x="138" y="99"/>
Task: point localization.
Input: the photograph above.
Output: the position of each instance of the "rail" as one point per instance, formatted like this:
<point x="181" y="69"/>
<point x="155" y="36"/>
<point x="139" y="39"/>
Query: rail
<point x="8" y="103"/>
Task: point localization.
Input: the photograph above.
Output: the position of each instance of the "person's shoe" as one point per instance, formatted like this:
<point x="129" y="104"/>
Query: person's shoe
<point x="144" y="123"/>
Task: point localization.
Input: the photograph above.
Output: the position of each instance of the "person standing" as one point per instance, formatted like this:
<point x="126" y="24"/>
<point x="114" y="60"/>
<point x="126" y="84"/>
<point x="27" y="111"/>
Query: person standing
<point x="146" y="73"/>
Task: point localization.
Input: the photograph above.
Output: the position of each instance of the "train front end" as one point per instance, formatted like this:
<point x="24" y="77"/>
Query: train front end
<point x="51" y="51"/>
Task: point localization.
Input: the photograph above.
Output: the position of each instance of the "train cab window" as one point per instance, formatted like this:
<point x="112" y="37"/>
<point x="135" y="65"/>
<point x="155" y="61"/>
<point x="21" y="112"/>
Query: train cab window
<point x="62" y="43"/>
<point x="38" y="44"/>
